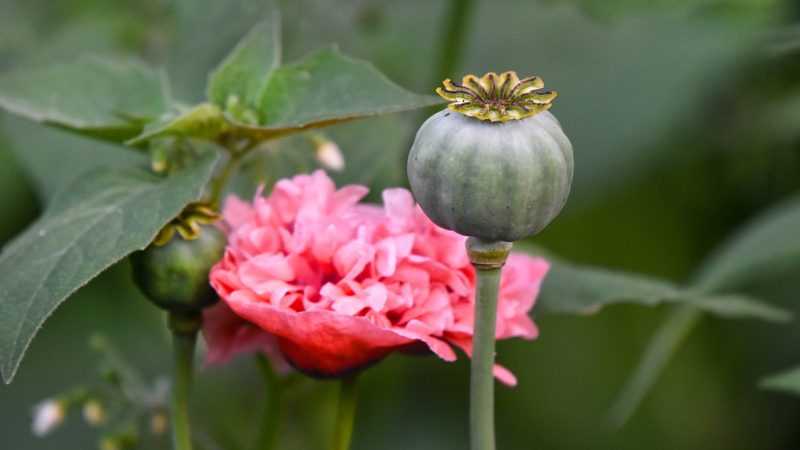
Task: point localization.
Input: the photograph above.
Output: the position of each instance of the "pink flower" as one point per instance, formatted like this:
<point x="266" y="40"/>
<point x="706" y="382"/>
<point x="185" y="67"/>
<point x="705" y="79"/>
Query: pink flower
<point x="228" y="336"/>
<point x="342" y="284"/>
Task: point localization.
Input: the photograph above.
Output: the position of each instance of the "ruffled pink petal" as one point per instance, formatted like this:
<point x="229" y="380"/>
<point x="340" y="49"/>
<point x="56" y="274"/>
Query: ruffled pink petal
<point x="342" y="284"/>
<point x="236" y="211"/>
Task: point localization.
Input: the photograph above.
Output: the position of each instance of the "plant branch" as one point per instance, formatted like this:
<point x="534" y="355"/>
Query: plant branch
<point x="235" y="156"/>
<point x="273" y="406"/>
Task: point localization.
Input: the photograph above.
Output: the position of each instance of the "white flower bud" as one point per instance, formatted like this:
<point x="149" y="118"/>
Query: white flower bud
<point x="328" y="154"/>
<point x="47" y="415"/>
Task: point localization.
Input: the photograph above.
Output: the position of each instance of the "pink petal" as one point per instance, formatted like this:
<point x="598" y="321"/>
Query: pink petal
<point x="323" y="343"/>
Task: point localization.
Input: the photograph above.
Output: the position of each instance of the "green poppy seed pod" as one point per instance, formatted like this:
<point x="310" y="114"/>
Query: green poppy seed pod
<point x="174" y="276"/>
<point x="495" y="165"/>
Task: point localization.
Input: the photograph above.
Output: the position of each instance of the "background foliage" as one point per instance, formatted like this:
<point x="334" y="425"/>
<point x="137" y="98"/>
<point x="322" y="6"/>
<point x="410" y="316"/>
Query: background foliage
<point x="684" y="118"/>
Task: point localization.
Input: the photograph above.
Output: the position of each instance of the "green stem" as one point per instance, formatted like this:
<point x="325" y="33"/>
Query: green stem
<point x="456" y="20"/>
<point x="234" y="157"/>
<point x="184" y="327"/>
<point x="221" y="180"/>
<point x="345" y="414"/>
<point x="273" y="406"/>
<point x="488" y="259"/>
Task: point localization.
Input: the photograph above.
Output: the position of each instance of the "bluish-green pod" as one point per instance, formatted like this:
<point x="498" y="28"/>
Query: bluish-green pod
<point x="497" y="181"/>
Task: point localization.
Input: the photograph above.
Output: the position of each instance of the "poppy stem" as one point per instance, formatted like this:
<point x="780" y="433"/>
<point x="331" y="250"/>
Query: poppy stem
<point x="345" y="414"/>
<point x="488" y="259"/>
<point x="221" y="180"/>
<point x="184" y="327"/>
<point x="273" y="406"/>
<point x="456" y="20"/>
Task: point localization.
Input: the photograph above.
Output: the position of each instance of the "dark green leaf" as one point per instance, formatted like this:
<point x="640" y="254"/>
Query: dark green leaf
<point x="788" y="381"/>
<point x="261" y="99"/>
<point x="93" y="223"/>
<point x="101" y="97"/>
<point x="327" y="87"/>
<point x="573" y="289"/>
<point x="243" y="74"/>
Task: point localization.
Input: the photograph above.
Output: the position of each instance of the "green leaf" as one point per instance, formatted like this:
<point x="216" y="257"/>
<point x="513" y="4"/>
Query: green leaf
<point x="261" y="99"/>
<point x="665" y="342"/>
<point x="243" y="74"/>
<point x="93" y="223"/>
<point x="767" y="247"/>
<point x="763" y="249"/>
<point x="101" y="97"/>
<point x="787" y="381"/>
<point x="36" y="147"/>
<point x="204" y="121"/>
<point x="325" y="88"/>
<point x="573" y="289"/>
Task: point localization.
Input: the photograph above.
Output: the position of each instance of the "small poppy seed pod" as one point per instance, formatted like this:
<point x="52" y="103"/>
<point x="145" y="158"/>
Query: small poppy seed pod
<point x="174" y="276"/>
<point x="495" y="165"/>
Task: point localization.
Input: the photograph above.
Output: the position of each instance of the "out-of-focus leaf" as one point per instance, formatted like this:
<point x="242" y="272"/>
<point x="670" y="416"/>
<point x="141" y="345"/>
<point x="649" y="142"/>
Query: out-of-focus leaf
<point x="763" y="249"/>
<point x="787" y="381"/>
<point x="618" y="9"/>
<point x="100" y="97"/>
<point x="666" y="340"/>
<point x="36" y="147"/>
<point x="769" y="246"/>
<point x="244" y="73"/>
<point x="573" y="289"/>
<point x="92" y="224"/>
<point x="786" y="42"/>
<point x="667" y="64"/>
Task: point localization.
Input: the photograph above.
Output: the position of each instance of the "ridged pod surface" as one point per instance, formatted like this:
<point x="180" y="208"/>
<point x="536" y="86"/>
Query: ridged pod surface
<point x="496" y="181"/>
<point x="175" y="276"/>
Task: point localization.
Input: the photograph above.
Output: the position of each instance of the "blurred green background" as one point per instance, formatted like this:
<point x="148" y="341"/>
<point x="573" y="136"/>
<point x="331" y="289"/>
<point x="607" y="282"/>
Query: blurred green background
<point x="685" y="120"/>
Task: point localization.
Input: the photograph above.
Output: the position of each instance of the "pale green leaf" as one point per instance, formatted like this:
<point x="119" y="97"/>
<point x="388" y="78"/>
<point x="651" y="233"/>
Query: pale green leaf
<point x="767" y="247"/>
<point x="787" y="381"/>
<point x="573" y="289"/>
<point x="101" y="97"/>
<point x="672" y="331"/>
<point x="243" y="74"/>
<point x="763" y="249"/>
<point x="93" y="223"/>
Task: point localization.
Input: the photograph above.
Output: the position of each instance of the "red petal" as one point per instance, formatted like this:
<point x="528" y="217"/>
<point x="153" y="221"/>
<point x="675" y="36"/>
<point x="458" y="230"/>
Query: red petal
<point x="322" y="343"/>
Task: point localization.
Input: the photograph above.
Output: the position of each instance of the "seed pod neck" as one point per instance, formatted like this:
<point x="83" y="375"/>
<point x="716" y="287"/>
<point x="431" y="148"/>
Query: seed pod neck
<point x="487" y="254"/>
<point x="497" y="98"/>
